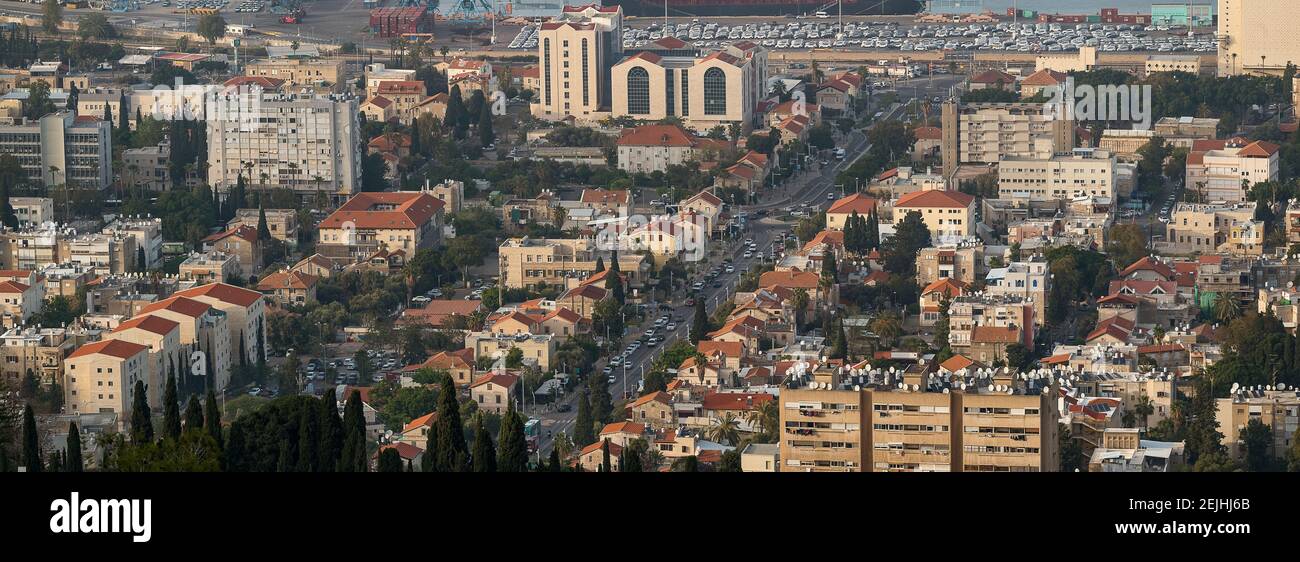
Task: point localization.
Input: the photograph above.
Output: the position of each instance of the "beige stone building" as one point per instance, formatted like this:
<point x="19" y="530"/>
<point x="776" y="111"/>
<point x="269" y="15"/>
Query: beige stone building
<point x="950" y="215"/>
<point x="1254" y="37"/>
<point x="283" y="223"/>
<point x="300" y="71"/>
<point x="494" y="392"/>
<point x="963" y="262"/>
<point x="289" y="287"/>
<point x="242" y="244"/>
<point x="245" y="311"/>
<point x="989" y="132"/>
<point x="895" y="431"/>
<point x="1223" y="170"/>
<point x="374" y="221"/>
<point x="574" y="55"/>
<point x="163" y="337"/>
<point x="530" y="262"/>
<point x="204" y="328"/>
<point x="537" y="349"/>
<point x="1190" y="64"/>
<point x="101" y="377"/>
<point x="32" y="210"/>
<point x="670" y="78"/>
<point x="1214" y="228"/>
<point x="651" y="148"/>
<point x="39" y="350"/>
<point x="1063" y="176"/>
<point x="1279" y="410"/>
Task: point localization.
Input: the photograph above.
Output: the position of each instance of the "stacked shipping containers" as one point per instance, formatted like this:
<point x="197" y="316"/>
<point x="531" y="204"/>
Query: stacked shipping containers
<point x="392" y="22"/>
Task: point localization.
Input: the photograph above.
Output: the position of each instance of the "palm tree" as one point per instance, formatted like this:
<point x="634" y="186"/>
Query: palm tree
<point x="1144" y="408"/>
<point x="800" y="304"/>
<point x="766" y="418"/>
<point x="1226" y="308"/>
<point x="887" y="326"/>
<point x="725" y="429"/>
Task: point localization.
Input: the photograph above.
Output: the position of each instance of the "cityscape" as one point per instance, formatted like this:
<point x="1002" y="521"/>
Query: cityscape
<point x="697" y="236"/>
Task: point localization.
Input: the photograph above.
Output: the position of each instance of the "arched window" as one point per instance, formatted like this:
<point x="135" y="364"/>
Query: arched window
<point x="638" y="91"/>
<point x="715" y="92"/>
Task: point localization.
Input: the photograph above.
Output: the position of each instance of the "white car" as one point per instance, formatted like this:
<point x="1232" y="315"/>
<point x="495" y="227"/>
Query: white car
<point x="671" y="327"/>
<point x="748" y="255"/>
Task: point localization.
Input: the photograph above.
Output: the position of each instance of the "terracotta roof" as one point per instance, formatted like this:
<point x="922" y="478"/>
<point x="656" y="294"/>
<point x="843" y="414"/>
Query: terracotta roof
<point x="623" y="427"/>
<point x="373" y="210"/>
<point x="935" y="198"/>
<point x="927" y="133"/>
<point x="587" y="291"/>
<point x="1139" y="287"/>
<point x="317" y="260"/>
<point x="664" y="135"/>
<point x="1115" y="326"/>
<point x="387" y="144"/>
<point x="457" y="359"/>
<point x="1258" y="149"/>
<point x="379" y="101"/>
<point x="1147" y="263"/>
<point x="787" y="108"/>
<point x="502" y="379"/>
<point x="13" y="287"/>
<point x="614" y="449"/>
<point x="224" y="293"/>
<point x="856" y="202"/>
<point x="730" y="349"/>
<point x="1055" y="359"/>
<point x="994" y="334"/>
<point x="116" y="348"/>
<point x="183" y="305"/>
<point x="705" y="196"/>
<point x="828" y="237"/>
<point x="150" y="323"/>
<point x="793" y="279"/>
<point x="563" y="313"/>
<point x="954" y="287"/>
<point x="407" y="451"/>
<point x="246" y="232"/>
<point x="1044" y="77"/>
<point x="605" y="196"/>
<point x="657" y="396"/>
<point x="287" y="280"/>
<point x="1161" y="348"/>
<point x="959" y="362"/>
<point x="425" y="420"/>
<point x="436" y="312"/>
<point x="465" y="64"/>
<point x="734" y="400"/>
<point x="993" y="76"/>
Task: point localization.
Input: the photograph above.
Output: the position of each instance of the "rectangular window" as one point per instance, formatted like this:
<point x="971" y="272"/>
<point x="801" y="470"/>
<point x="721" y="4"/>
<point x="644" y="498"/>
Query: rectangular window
<point x="686" y="94"/>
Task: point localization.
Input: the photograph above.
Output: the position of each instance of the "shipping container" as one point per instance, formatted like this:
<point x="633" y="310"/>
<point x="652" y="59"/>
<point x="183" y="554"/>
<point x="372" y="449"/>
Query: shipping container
<point x="393" y="22"/>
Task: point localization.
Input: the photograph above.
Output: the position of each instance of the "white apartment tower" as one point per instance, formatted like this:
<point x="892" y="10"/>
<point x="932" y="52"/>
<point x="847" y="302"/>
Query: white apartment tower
<point x="574" y="55"/>
<point x="307" y="144"/>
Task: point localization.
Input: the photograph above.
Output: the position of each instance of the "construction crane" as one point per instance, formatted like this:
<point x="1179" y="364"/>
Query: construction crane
<point x="474" y="14"/>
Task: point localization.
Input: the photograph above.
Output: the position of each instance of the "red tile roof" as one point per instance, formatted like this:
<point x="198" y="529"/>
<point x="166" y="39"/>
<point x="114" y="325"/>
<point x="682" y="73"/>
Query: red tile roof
<point x="1147" y="263"/>
<point x="734" y="401"/>
<point x="13" y="287"/>
<point x="935" y="198"/>
<point x="995" y="334"/>
<point x="502" y="379"/>
<point x="953" y="287"/>
<point x="856" y="202"/>
<point x="154" y="324"/>
<point x="793" y="279"/>
<point x="927" y="133"/>
<point x="182" y="305"/>
<point x="374" y="210"/>
<point x="224" y="293"/>
<point x="116" y="348"/>
<point x="287" y="280"/>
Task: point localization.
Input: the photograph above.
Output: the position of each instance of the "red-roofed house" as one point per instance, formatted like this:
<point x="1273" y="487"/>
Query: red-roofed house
<point x="654" y="409"/>
<point x="928" y="141"/>
<point x="20" y="301"/>
<point x="948" y="214"/>
<point x="593" y="455"/>
<point x="706" y="205"/>
<point x="622" y="433"/>
<point x="203" y="328"/>
<point x="1219" y="168"/>
<point x="993" y="78"/>
<point x="163" y="337"/>
<point x="240" y="242"/>
<point x="411" y="455"/>
<point x="101" y="377"/>
<point x="417" y="431"/>
<point x="652" y="148"/>
<point x="933" y="296"/>
<point x="289" y="287"/>
<point x="371" y="221"/>
<point x="438" y="313"/>
<point x="839" y="212"/>
<point x="459" y="364"/>
<point x="245" y="312"/>
<point x="494" y="391"/>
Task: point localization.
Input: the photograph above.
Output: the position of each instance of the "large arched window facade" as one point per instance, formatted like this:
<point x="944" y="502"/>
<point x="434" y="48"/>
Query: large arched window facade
<point x="638" y="91"/>
<point x="715" y="92"/>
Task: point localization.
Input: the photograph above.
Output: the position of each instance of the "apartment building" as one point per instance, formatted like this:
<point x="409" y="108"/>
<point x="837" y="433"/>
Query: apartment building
<point x="147" y="233"/>
<point x="40" y="351"/>
<point x="1279" y="410"/>
<point x="208" y="267"/>
<point x="306" y="144"/>
<point x="1200" y="228"/>
<point x="19" y="302"/>
<point x="147" y="167"/>
<point x="990" y="132"/>
<point x="1254" y="37"/>
<point x="1025" y="279"/>
<point x="283" y="223"/>
<point x="1083" y="172"/>
<point x="704" y="91"/>
<point x="1223" y="170"/>
<point x="405" y="221"/>
<point x="881" y="430"/>
<point x="838" y="214"/>
<point x="203" y="328"/>
<point x="968" y="312"/>
<point x="163" y="338"/>
<point x="32" y="211"/>
<point x="575" y="54"/>
<point x="312" y="72"/>
<point x="101" y="377"/>
<point x="61" y="149"/>
<point x="405" y="96"/>
<point x="240" y="243"/>
<point x="963" y="262"/>
<point x="533" y="262"/>
<point x="950" y="215"/>
<point x="537" y="349"/>
<point x="245" y="312"/>
<point x="113" y="253"/>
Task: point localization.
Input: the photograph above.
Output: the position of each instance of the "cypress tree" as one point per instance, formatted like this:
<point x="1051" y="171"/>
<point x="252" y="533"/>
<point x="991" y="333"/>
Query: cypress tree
<point x="55" y="463"/>
<point x="354" y="435"/>
<point x="283" y="462"/>
<point x="583" y="432"/>
<point x="31" y="445"/>
<point x="212" y="417"/>
<point x="629" y="460"/>
<point x="390" y="461"/>
<point x="555" y="461"/>
<point x="600" y="264"/>
<point x="122" y="124"/>
<point x="233" y="454"/>
<point x="451" y="450"/>
<point x="141" y="416"/>
<point x="614" y="282"/>
<point x="193" y="414"/>
<point x="485" y="456"/>
<point x="308" y="441"/>
<point x="171" y="409"/>
<point x="426" y="460"/>
<point x="604" y="457"/>
<point x="485" y="133"/>
<point x="108" y="114"/>
<point x="74" y="462"/>
<point x="514" y="445"/>
<point x="331" y="433"/>
<point x="700" y="323"/>
<point x="263" y="231"/>
<point x="830" y="270"/>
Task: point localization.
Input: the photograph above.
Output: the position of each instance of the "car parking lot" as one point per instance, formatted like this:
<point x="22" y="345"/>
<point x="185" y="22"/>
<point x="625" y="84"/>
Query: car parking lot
<point x="826" y="34"/>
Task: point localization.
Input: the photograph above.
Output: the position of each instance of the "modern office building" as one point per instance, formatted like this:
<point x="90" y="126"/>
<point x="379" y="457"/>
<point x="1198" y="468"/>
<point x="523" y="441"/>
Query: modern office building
<point x="1256" y="36"/>
<point x="575" y="54"/>
<point x="1083" y="172"/>
<point x="62" y="149"/>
